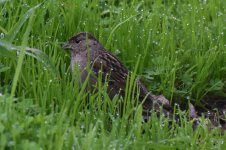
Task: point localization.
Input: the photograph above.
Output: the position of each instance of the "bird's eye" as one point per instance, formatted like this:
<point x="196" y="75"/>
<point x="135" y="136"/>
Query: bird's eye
<point x="74" y="40"/>
<point x="77" y="41"/>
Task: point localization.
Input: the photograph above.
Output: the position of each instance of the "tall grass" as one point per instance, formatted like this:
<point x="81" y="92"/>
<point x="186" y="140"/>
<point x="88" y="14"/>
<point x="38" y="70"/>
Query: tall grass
<point x="181" y="46"/>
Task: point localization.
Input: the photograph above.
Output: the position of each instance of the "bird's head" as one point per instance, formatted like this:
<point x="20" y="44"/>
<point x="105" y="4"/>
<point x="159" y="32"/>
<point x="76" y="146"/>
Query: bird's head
<point x="79" y="42"/>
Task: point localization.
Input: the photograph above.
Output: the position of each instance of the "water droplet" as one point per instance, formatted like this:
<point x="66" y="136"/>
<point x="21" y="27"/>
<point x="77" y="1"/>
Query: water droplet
<point x="2" y="35"/>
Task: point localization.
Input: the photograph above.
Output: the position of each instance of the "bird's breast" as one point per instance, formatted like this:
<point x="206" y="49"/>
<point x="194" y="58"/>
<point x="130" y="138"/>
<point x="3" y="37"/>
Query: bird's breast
<point x="78" y="60"/>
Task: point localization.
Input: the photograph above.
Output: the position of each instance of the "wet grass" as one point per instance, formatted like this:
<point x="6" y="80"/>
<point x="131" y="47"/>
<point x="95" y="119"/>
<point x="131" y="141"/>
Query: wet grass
<point x="182" y="51"/>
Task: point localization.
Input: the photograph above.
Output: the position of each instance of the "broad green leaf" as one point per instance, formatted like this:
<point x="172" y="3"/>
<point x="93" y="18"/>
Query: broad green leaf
<point x="37" y="54"/>
<point x="13" y="32"/>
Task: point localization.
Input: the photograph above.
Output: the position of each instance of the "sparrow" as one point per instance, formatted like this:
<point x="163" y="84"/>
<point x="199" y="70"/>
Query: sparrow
<point x="87" y="53"/>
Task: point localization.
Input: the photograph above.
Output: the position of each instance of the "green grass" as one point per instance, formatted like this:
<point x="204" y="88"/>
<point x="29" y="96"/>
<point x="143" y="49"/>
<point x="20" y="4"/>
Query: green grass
<point x="182" y="51"/>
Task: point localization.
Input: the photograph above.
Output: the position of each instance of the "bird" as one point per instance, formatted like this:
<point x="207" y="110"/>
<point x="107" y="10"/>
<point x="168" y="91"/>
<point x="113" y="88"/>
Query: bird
<point x="87" y="53"/>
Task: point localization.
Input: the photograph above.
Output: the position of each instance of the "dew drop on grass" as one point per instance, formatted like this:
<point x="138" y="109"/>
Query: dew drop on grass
<point x="162" y="125"/>
<point x="2" y="35"/>
<point x="176" y="104"/>
<point x="82" y="126"/>
<point x="117" y="51"/>
<point x="208" y="113"/>
<point x="219" y="14"/>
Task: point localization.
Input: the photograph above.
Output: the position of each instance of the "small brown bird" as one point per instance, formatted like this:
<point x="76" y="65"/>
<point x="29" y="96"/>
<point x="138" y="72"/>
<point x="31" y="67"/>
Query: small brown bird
<point x="86" y="50"/>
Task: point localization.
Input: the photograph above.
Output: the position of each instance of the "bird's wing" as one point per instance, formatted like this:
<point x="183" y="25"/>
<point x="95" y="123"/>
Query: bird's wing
<point x="111" y="68"/>
<point x="117" y="74"/>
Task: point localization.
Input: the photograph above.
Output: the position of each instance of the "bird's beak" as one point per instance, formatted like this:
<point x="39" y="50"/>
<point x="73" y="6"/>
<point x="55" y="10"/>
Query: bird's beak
<point x="66" y="46"/>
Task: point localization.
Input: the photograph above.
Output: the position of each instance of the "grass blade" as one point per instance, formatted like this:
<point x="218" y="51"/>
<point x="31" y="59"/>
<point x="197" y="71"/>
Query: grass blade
<point x="13" y="32"/>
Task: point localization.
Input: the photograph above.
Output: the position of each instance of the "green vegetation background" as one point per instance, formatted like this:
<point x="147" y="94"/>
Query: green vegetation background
<point x="181" y="46"/>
